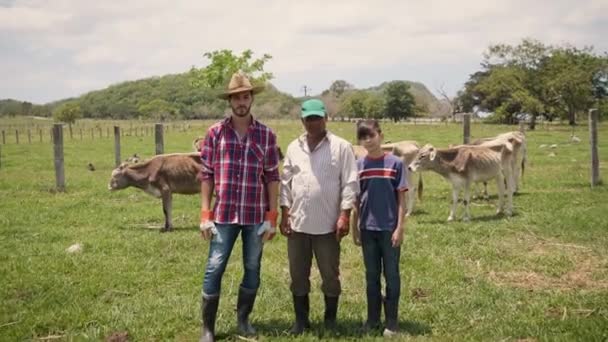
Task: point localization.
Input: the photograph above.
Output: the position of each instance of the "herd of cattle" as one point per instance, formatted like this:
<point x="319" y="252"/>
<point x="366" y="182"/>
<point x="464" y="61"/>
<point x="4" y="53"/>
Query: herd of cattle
<point x="501" y="158"/>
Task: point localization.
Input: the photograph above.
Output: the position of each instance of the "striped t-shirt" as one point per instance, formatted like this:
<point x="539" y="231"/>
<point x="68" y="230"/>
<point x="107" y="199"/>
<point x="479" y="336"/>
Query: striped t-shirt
<point x="380" y="180"/>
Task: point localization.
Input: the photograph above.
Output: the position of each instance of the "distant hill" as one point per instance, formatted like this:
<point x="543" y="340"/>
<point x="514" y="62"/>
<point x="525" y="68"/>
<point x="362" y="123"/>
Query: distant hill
<point x="424" y="98"/>
<point x="173" y="97"/>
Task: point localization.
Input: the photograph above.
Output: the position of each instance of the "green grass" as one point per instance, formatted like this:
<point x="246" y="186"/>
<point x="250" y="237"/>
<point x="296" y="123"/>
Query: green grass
<point x="539" y="275"/>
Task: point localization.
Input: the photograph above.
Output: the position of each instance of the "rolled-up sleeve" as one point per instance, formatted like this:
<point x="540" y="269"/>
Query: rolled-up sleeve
<point x="271" y="162"/>
<point x="207" y="149"/>
<point x="285" y="199"/>
<point x="349" y="179"/>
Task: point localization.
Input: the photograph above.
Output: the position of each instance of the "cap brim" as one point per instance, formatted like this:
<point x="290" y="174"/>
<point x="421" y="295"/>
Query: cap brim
<point x="312" y="113"/>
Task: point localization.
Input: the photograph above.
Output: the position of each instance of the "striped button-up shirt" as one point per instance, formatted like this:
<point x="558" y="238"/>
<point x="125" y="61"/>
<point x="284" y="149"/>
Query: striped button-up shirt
<point x="317" y="184"/>
<point x="240" y="168"/>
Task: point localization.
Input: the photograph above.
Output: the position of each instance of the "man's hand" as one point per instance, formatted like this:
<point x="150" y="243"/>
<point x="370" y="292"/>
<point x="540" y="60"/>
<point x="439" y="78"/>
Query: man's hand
<point x="269" y="227"/>
<point x="207" y="227"/>
<point x="342" y="227"/>
<point x="397" y="237"/>
<point x="285" y="224"/>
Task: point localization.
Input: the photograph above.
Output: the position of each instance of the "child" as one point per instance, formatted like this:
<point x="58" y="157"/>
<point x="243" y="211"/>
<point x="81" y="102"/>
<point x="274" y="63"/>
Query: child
<point x="381" y="209"/>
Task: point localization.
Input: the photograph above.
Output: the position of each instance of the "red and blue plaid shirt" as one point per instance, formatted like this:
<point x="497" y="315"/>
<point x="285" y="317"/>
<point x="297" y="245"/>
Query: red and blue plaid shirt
<point x="240" y="169"/>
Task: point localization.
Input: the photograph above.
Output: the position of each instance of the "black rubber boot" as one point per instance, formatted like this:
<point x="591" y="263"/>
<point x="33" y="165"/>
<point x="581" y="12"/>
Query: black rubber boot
<point x="209" y="312"/>
<point x="391" y="310"/>
<point x="331" y="311"/>
<point x="374" y="307"/>
<point x="244" y="306"/>
<point x="301" y="306"/>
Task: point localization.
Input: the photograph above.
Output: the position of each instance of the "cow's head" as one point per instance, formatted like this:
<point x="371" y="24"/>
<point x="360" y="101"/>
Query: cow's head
<point x="426" y="155"/>
<point x="119" y="179"/>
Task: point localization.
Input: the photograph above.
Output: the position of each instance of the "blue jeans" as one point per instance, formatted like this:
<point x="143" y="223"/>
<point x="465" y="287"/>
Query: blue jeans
<point x="219" y="253"/>
<point x="379" y="255"/>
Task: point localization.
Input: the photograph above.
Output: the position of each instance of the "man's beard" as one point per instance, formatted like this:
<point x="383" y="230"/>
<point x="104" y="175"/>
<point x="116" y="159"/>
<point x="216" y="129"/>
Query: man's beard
<point x="241" y="110"/>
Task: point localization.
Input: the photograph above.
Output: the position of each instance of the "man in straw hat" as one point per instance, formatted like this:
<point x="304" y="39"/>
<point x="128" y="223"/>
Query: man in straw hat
<point x="318" y="190"/>
<point x="240" y="163"/>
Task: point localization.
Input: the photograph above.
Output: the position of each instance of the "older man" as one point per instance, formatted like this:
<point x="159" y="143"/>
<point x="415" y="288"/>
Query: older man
<point x="318" y="189"/>
<point x="240" y="162"/>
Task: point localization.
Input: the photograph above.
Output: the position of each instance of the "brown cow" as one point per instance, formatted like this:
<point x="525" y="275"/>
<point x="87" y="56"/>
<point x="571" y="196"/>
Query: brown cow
<point x="466" y="164"/>
<point x="161" y="177"/>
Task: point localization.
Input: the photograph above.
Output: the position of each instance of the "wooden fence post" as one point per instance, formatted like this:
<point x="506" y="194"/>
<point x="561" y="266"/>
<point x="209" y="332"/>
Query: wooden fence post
<point x="29" y="136"/>
<point x="595" y="161"/>
<point x="3" y="138"/>
<point x="58" y="149"/>
<point x="159" y="138"/>
<point x="466" y="128"/>
<point x="117" y="145"/>
<point x="17" y="136"/>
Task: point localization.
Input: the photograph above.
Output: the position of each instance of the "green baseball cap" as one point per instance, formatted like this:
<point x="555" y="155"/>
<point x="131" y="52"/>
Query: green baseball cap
<point x="313" y="107"/>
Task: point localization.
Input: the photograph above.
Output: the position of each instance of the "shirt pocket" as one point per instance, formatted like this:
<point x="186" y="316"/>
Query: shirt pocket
<point x="255" y="159"/>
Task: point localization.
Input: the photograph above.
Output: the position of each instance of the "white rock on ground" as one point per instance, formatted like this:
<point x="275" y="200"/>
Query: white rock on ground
<point x="75" y="248"/>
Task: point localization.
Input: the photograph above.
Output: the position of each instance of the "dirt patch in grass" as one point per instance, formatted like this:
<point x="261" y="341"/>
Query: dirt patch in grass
<point x="584" y="272"/>
<point x="119" y="336"/>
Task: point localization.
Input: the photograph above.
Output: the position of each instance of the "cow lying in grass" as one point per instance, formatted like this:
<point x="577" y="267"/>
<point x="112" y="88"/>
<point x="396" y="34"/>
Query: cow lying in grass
<point x="466" y="164"/>
<point x="161" y="177"/>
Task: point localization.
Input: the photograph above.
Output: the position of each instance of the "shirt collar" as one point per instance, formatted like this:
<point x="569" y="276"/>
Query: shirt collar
<point x="228" y="122"/>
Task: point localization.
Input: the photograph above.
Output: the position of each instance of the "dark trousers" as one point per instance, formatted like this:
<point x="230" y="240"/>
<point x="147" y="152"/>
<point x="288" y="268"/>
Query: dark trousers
<point x="326" y="249"/>
<point x="379" y="255"/>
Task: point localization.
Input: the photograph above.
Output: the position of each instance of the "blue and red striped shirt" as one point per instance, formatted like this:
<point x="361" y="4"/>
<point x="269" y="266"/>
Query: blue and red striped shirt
<point x="380" y="180"/>
<point x="240" y="168"/>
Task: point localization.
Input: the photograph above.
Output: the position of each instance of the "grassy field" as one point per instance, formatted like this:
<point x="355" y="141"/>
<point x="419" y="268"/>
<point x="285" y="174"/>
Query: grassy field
<point x="541" y="275"/>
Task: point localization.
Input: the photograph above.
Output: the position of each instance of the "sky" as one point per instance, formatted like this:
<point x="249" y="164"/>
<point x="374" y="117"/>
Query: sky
<point x="55" y="49"/>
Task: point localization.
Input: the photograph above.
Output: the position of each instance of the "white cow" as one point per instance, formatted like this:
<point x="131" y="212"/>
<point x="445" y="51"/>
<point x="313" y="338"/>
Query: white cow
<point x="518" y="163"/>
<point x="466" y="164"/>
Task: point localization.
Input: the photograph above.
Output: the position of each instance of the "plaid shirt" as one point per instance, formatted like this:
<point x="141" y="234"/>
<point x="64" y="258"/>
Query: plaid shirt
<point x="240" y="169"/>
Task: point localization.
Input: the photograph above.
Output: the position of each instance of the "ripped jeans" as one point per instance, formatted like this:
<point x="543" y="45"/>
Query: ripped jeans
<point x="219" y="253"/>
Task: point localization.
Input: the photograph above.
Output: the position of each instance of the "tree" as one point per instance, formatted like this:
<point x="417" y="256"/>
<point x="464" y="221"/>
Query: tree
<point x="26" y="108"/>
<point x="68" y="112"/>
<point x="533" y="78"/>
<point x="339" y="87"/>
<point x="362" y="104"/>
<point x="399" y="102"/>
<point x="223" y="63"/>
<point x="158" y="109"/>
<point x="353" y="105"/>
<point x="566" y="77"/>
<point x="469" y="97"/>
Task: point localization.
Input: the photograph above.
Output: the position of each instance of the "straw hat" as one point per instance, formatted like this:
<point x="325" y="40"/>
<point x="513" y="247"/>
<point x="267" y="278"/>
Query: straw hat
<point x="239" y="83"/>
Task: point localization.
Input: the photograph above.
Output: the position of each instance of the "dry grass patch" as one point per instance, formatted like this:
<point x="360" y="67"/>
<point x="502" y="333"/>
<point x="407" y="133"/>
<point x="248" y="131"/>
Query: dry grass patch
<point x="576" y="267"/>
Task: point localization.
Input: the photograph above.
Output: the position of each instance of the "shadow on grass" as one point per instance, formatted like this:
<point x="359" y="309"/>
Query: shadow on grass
<point x="345" y="329"/>
<point x="158" y="228"/>
<point x="484" y="218"/>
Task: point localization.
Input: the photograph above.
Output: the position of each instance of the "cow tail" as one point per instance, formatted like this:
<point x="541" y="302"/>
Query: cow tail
<point x="420" y="186"/>
<point x="523" y="161"/>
